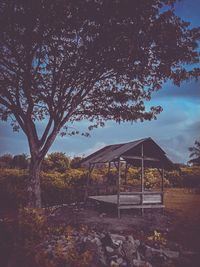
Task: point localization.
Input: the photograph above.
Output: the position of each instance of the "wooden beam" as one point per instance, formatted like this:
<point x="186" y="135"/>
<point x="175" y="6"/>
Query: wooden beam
<point x="140" y="158"/>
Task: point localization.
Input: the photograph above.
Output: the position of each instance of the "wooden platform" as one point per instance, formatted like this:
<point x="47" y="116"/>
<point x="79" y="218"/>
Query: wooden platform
<point x="130" y="201"/>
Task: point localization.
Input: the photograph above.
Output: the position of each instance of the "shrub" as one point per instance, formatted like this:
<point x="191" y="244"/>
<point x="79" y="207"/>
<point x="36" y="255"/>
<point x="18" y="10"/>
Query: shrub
<point x="20" y="161"/>
<point x="6" y="161"/>
<point x="13" y="192"/>
<point x="56" y="161"/>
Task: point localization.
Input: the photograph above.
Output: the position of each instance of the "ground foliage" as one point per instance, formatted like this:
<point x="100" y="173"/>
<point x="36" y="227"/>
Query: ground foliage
<point x="69" y="186"/>
<point x="20" y="239"/>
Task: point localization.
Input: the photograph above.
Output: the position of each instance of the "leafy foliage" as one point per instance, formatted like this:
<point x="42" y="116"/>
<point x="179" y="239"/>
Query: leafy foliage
<point x="195" y="153"/>
<point x="75" y="162"/>
<point x="6" y="161"/>
<point x="67" y="187"/>
<point x="20" y="161"/>
<point x="56" y="161"/>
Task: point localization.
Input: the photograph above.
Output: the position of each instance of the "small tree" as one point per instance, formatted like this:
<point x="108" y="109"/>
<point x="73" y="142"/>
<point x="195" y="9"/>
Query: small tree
<point x="56" y="161"/>
<point x="75" y="162"/>
<point x="65" y="61"/>
<point x="6" y="161"/>
<point x="20" y="161"/>
<point x="195" y="153"/>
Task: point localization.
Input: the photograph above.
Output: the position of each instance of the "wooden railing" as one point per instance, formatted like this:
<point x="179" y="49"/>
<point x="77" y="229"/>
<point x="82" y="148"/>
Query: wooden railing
<point x="146" y="197"/>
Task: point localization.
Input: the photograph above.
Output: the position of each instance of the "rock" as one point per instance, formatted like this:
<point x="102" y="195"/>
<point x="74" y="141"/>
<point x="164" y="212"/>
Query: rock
<point x="114" y="264"/>
<point x="124" y="264"/>
<point x="119" y="261"/>
<point x="106" y="240"/>
<point x="102" y="215"/>
<point x="117" y="240"/>
<point x="138" y="256"/>
<point x="97" y="241"/>
<point x="139" y="263"/>
<point x="120" y="251"/>
<point x="170" y="254"/>
<point x="116" y="237"/>
<point x="137" y="242"/>
<point x="129" y="247"/>
<point x="114" y="257"/>
<point x="188" y="253"/>
<point x="97" y="250"/>
<point x="150" y="252"/>
<point x="109" y="250"/>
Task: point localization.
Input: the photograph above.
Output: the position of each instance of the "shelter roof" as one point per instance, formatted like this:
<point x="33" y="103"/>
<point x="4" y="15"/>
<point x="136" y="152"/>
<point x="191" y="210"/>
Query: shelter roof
<point x="130" y="151"/>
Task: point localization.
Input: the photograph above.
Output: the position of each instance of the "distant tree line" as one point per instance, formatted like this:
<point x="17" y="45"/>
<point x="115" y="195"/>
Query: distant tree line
<point x="56" y="161"/>
<point x="60" y="162"/>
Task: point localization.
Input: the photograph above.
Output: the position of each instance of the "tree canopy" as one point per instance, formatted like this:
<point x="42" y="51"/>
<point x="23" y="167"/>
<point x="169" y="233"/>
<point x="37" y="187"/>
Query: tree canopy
<point x="68" y="60"/>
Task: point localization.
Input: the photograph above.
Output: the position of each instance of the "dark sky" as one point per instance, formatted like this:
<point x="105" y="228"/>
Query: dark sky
<point x="175" y="129"/>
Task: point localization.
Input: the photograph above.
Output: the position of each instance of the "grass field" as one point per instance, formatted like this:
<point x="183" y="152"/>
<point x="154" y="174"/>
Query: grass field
<point x="185" y="207"/>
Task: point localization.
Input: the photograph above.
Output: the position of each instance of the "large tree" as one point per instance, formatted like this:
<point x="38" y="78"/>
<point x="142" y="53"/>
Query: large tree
<point x="67" y="60"/>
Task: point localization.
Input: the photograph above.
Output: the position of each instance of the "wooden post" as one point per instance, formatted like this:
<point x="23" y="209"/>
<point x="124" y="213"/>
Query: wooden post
<point x="126" y="171"/>
<point x="162" y="185"/>
<point x="109" y="165"/>
<point x="108" y="178"/>
<point x="142" y="177"/>
<point x="118" y="188"/>
<point x="87" y="181"/>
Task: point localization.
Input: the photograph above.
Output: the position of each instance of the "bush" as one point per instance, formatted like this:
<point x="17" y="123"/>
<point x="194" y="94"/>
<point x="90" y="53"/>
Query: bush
<point x="6" y="161"/>
<point x="20" y="161"/>
<point x="188" y="177"/>
<point x="69" y="186"/>
<point x="13" y="191"/>
<point x="56" y="161"/>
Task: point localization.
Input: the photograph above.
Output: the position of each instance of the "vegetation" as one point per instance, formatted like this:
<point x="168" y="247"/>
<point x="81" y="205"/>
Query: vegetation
<point x="65" y="61"/>
<point x="195" y="153"/>
<point x="20" y="238"/>
<point x="18" y="161"/>
<point x="62" y="184"/>
<point x="56" y="161"/>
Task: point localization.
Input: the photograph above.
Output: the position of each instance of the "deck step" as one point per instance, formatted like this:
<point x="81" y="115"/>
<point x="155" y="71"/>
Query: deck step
<point x="156" y="206"/>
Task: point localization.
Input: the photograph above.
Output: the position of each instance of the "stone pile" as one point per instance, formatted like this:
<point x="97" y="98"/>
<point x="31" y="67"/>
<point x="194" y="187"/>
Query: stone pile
<point x="112" y="250"/>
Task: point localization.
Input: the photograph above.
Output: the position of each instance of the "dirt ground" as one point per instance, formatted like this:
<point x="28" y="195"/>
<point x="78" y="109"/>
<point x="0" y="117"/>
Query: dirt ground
<point x="179" y="224"/>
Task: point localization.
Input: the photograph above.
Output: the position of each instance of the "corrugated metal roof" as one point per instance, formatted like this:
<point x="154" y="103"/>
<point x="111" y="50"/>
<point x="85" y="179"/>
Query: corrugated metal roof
<point x="114" y="152"/>
<point x="111" y="152"/>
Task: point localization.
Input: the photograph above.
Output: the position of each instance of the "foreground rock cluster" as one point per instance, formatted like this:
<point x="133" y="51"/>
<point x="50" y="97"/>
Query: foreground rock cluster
<point x="108" y="249"/>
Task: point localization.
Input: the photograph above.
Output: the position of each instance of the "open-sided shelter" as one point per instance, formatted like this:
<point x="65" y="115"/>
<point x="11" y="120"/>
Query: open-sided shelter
<point x="144" y="153"/>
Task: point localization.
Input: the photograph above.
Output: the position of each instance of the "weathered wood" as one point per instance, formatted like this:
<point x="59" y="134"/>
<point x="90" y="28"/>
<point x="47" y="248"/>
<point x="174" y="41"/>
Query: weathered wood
<point x="162" y="184"/>
<point x="142" y="172"/>
<point x="129" y="199"/>
<point x="140" y="158"/>
<point x="140" y="193"/>
<point x="118" y="188"/>
<point x="126" y="171"/>
<point x="91" y="167"/>
<point x="157" y="206"/>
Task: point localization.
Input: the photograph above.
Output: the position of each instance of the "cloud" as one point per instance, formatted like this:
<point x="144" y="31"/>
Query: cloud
<point x="189" y="90"/>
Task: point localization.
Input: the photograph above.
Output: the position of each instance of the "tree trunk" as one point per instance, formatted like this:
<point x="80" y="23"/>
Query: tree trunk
<point x="34" y="191"/>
